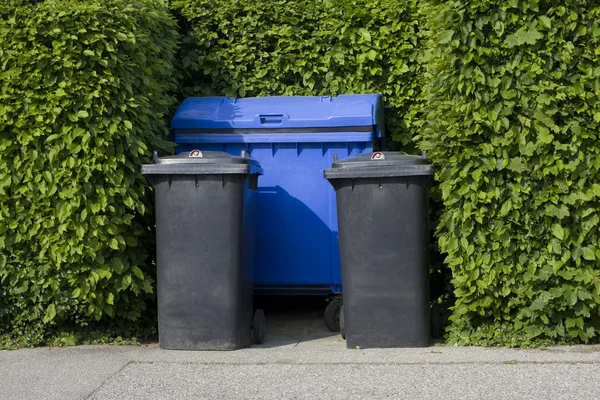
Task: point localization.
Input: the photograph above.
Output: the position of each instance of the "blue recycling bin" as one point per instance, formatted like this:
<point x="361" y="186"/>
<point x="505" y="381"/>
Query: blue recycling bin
<point x="294" y="139"/>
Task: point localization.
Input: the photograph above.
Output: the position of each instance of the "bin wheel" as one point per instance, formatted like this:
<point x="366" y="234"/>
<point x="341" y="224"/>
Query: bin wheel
<point x="436" y="321"/>
<point x="332" y="315"/>
<point x="259" y="327"/>
<point x="342" y="325"/>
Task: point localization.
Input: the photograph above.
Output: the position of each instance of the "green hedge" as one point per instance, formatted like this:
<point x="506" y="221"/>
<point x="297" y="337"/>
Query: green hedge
<point x="308" y="47"/>
<point x="513" y="122"/>
<point x="84" y="87"/>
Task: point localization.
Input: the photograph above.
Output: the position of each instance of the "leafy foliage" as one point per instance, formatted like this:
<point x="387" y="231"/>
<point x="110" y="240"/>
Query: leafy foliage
<point x="308" y="47"/>
<point x="513" y="118"/>
<point x="84" y="87"/>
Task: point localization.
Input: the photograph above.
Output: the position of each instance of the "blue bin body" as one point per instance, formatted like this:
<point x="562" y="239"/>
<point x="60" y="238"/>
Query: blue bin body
<point x="294" y="139"/>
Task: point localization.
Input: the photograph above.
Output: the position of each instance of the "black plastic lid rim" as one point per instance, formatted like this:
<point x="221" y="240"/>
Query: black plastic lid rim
<point x="380" y="165"/>
<point x="197" y="162"/>
<point x="199" y="169"/>
<point x="389" y="172"/>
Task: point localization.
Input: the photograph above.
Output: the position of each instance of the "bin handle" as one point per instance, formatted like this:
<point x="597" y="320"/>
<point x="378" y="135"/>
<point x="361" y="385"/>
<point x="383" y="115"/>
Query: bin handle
<point x="378" y="155"/>
<point x="268" y="119"/>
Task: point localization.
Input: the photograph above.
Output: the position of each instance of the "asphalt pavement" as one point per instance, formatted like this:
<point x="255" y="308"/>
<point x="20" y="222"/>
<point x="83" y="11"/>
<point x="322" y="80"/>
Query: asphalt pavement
<point x="300" y="360"/>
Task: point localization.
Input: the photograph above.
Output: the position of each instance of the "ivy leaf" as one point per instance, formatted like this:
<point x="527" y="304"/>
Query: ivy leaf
<point x="558" y="231"/>
<point x="506" y="207"/>
<point x="588" y="254"/>
<point x="365" y="34"/>
<point x="138" y="272"/>
<point x="517" y="165"/>
<point x="538" y="304"/>
<point x="523" y="37"/>
<point x="118" y="265"/>
<point x="544" y="118"/>
<point x="446" y="36"/>
<point x="543" y="134"/>
<point x="546" y="21"/>
<point x="113" y="243"/>
<point x="559" y="212"/>
<point x="528" y="149"/>
<point x="50" y="313"/>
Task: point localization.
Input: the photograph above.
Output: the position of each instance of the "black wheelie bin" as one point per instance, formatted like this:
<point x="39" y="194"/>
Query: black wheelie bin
<point x="382" y="206"/>
<point x="205" y="223"/>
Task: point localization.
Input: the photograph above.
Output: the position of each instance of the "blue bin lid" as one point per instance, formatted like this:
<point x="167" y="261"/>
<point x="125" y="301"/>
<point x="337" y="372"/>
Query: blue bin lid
<point x="280" y="112"/>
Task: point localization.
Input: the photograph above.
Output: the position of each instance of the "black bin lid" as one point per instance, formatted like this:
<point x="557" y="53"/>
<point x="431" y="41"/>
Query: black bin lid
<point x="380" y="164"/>
<point x="198" y="162"/>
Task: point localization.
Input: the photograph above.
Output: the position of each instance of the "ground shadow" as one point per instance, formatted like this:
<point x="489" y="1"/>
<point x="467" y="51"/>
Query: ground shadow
<point x="295" y="319"/>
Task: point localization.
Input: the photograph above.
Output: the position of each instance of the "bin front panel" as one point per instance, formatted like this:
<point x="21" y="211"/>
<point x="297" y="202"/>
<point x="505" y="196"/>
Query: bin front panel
<point x="203" y="292"/>
<point x="297" y="234"/>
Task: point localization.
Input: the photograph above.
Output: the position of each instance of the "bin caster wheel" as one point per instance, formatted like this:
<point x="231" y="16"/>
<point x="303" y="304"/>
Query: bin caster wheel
<point x="259" y="327"/>
<point x="332" y="315"/>
<point x="436" y="321"/>
<point x="342" y="326"/>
